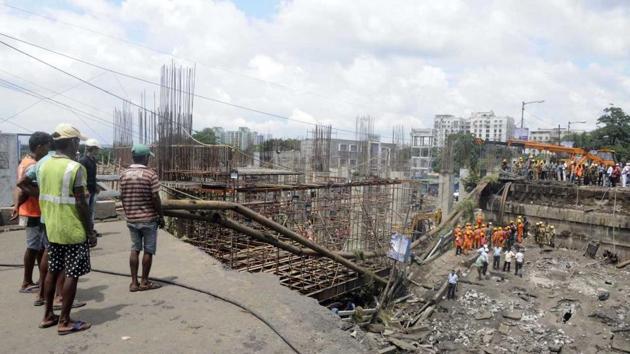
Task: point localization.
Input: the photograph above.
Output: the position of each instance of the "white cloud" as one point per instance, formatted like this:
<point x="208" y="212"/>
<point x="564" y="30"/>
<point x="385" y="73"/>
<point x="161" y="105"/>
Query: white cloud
<point x="400" y="61"/>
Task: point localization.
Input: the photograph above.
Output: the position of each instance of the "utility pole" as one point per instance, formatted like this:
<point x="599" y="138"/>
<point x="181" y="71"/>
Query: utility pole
<point x="569" y="125"/>
<point x="559" y="135"/>
<point x="523" y="104"/>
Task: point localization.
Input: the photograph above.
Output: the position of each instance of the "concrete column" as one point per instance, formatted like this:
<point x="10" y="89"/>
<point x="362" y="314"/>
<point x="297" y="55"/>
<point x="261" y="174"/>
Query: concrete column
<point x="445" y="193"/>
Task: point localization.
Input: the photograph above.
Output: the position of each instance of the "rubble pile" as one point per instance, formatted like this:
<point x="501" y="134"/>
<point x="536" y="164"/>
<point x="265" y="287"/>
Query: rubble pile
<point x="565" y="302"/>
<point x="478" y="322"/>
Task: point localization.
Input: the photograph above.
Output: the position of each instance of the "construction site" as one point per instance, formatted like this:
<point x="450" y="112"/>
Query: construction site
<point x="328" y="237"/>
<point x="371" y="248"/>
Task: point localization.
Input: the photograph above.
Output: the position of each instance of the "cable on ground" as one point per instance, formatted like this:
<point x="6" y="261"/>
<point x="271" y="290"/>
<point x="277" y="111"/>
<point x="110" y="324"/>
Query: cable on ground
<point x="192" y="288"/>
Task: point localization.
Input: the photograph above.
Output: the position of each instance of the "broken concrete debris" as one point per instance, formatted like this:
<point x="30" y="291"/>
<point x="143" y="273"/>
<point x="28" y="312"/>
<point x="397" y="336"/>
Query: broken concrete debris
<point x="555" y="308"/>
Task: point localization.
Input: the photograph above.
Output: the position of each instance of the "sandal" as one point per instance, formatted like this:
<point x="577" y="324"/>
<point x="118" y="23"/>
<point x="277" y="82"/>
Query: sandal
<point x="49" y="323"/>
<point x="77" y="326"/>
<point x="149" y="286"/>
<point x="75" y="305"/>
<point x="39" y="302"/>
<point x="31" y="289"/>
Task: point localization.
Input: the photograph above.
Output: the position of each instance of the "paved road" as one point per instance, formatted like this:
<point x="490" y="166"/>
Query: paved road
<point x="171" y="319"/>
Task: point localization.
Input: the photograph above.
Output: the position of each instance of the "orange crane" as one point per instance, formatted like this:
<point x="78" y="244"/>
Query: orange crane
<point x="604" y="157"/>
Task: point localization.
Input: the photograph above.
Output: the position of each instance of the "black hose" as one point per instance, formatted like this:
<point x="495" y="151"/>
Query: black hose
<point x="192" y="288"/>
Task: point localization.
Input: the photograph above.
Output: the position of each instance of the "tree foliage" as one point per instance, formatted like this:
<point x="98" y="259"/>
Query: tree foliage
<point x="206" y="136"/>
<point x="465" y="153"/>
<point x="280" y="145"/>
<point x="613" y="133"/>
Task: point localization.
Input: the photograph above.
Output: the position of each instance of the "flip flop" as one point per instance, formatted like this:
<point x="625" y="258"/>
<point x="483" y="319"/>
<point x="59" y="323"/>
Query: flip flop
<point x="75" y="305"/>
<point x="149" y="286"/>
<point x="39" y="302"/>
<point x="31" y="289"/>
<point x="50" y="323"/>
<point x="77" y="326"/>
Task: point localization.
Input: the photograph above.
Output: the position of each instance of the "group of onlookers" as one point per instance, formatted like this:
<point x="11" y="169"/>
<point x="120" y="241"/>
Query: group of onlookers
<point x="55" y="201"/>
<point x="581" y="173"/>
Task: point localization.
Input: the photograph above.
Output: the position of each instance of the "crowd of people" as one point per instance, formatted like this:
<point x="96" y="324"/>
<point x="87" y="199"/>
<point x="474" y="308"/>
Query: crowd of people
<point x="571" y="171"/>
<point x="503" y="242"/>
<point x="55" y="200"/>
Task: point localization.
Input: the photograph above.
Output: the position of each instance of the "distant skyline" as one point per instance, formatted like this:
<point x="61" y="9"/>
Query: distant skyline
<point x="325" y="61"/>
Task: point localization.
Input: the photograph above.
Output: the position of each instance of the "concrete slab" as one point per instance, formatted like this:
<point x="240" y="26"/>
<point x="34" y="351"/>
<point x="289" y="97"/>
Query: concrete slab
<point x="171" y="319"/>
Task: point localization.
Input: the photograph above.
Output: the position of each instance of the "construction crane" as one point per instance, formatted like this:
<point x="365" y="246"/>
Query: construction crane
<point x="604" y="157"/>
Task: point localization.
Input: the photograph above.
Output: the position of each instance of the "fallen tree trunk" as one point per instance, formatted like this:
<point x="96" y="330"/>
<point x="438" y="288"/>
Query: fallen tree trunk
<point x="623" y="264"/>
<point x="454" y="216"/>
<point x="219" y="205"/>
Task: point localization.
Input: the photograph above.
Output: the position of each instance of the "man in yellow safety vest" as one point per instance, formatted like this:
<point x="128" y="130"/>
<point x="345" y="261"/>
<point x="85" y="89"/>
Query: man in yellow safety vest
<point x="62" y="200"/>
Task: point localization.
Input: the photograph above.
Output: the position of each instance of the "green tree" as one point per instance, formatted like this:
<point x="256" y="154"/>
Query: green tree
<point x="206" y="136"/>
<point x="616" y="126"/>
<point x="613" y="133"/>
<point x="466" y="152"/>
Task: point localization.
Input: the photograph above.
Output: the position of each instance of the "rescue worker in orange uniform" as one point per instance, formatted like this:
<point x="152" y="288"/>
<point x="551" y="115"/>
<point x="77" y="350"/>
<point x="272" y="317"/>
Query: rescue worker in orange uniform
<point x="519" y="230"/>
<point x="468" y="238"/>
<point x="495" y="236"/>
<point x="501" y="237"/>
<point x="479" y="219"/>
<point x="459" y="240"/>
<point x="476" y="238"/>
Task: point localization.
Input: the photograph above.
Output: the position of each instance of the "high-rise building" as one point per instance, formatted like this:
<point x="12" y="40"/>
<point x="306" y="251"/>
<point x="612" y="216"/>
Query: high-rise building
<point x="484" y="125"/>
<point x="242" y="138"/>
<point x="422" y="142"/>
<point x="447" y="124"/>
<point x="488" y="126"/>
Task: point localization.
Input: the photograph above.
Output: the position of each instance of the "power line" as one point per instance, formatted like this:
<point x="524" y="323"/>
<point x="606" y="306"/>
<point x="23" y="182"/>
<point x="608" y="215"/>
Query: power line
<point x="143" y="46"/>
<point x="215" y="100"/>
<point x="63" y="105"/>
<point x="76" y="77"/>
<point x="61" y="93"/>
<point x="74" y="110"/>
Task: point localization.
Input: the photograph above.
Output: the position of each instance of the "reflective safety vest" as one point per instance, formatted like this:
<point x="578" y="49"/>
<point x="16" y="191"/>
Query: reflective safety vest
<point x="56" y="179"/>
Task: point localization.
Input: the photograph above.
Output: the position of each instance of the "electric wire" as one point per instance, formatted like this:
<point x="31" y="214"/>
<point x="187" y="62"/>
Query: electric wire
<point x="211" y="99"/>
<point x="143" y="46"/>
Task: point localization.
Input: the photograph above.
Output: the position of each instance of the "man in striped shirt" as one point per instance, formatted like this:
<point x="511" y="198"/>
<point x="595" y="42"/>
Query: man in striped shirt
<point x="139" y="191"/>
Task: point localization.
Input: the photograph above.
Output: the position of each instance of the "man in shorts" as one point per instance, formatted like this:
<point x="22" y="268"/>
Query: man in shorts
<point x="26" y="207"/>
<point x="139" y="192"/>
<point x="63" y="203"/>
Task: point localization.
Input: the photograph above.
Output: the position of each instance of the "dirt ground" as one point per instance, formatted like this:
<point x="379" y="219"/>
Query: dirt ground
<point x="504" y="313"/>
<point x="564" y="302"/>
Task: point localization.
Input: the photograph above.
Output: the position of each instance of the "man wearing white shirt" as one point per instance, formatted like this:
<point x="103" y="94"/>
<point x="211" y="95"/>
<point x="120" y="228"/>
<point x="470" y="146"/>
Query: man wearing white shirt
<point x="519" y="262"/>
<point x="496" y="260"/>
<point x="507" y="263"/>
<point x="452" y="285"/>
<point x="484" y="254"/>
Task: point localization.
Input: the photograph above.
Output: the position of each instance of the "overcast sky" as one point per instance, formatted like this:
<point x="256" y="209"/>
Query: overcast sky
<point x="321" y="61"/>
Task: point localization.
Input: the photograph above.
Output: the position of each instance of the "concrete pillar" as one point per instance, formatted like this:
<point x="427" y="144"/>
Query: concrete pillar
<point x="445" y="193"/>
<point x="445" y="186"/>
<point x="9" y="161"/>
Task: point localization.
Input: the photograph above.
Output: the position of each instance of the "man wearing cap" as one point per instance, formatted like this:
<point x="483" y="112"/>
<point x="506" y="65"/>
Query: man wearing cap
<point x="139" y="192"/>
<point x="63" y="204"/>
<point x="89" y="162"/>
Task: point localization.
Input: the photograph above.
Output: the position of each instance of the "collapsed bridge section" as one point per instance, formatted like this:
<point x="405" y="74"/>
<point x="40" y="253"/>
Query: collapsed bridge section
<point x="262" y="225"/>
